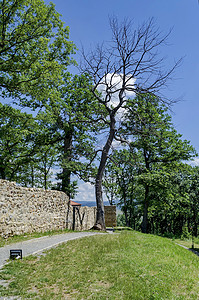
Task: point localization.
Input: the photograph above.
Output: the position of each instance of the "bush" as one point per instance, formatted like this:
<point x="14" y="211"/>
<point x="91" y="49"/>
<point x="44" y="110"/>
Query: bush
<point x="186" y="235"/>
<point x="121" y="220"/>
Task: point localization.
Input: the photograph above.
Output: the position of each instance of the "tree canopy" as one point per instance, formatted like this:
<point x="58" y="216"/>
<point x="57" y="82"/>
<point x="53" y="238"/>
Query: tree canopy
<point x="34" y="49"/>
<point x="149" y="170"/>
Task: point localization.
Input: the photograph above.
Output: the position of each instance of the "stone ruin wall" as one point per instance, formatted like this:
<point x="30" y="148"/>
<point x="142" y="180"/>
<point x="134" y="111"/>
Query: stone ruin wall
<point x="27" y="210"/>
<point x="110" y="216"/>
<point x="81" y="218"/>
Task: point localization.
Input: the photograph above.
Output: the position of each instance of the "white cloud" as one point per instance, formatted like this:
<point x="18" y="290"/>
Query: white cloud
<point x="86" y="192"/>
<point x="116" y="144"/>
<point x="194" y="162"/>
<point x="112" y="82"/>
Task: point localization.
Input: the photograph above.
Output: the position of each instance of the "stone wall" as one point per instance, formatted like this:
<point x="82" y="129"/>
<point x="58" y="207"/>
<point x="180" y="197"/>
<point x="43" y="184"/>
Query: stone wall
<point x="110" y="216"/>
<point x="81" y="218"/>
<point x="26" y="210"/>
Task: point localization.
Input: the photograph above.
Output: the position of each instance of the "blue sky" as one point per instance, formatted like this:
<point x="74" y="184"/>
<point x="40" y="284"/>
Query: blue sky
<point x="88" y="22"/>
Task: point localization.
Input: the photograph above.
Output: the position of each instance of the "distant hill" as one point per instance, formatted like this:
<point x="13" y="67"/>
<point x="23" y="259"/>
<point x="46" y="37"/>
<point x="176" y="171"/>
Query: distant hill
<point x="93" y="203"/>
<point x="90" y="203"/>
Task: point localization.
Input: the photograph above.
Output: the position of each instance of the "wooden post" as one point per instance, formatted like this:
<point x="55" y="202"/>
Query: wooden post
<point x="74" y="217"/>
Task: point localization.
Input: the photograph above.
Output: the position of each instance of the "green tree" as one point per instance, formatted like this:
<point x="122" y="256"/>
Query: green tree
<point x="18" y="132"/>
<point x="74" y="119"/>
<point x="193" y="193"/>
<point x="26" y="155"/>
<point x="162" y="148"/>
<point x="39" y="171"/>
<point x="121" y="183"/>
<point x="34" y="49"/>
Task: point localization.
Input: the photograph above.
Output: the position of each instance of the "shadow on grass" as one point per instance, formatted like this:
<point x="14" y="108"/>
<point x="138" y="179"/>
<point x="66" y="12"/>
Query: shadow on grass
<point x="195" y="250"/>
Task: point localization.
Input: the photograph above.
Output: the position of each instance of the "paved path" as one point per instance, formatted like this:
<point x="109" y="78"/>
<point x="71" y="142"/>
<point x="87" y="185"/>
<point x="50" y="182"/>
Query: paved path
<point x="38" y="245"/>
<point x="190" y="249"/>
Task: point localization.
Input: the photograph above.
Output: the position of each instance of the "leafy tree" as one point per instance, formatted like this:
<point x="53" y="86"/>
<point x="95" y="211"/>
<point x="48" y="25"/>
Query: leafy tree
<point x="162" y="148"/>
<point x="25" y="156"/>
<point x="193" y="193"/>
<point x="38" y="172"/>
<point x="18" y="133"/>
<point x="34" y="49"/>
<point x="170" y="211"/>
<point x="152" y="181"/>
<point x="110" y="184"/>
<point x="74" y="120"/>
<point x="122" y="168"/>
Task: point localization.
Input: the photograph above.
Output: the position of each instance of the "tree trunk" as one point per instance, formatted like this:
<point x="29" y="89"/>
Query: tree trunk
<point x="195" y="223"/>
<point x="66" y="173"/>
<point x="145" y="228"/>
<point x="45" y="174"/>
<point x="125" y="209"/>
<point x="32" y="177"/>
<point x="2" y="173"/>
<point x="100" y="218"/>
<point x="145" y="215"/>
<point x="132" y="211"/>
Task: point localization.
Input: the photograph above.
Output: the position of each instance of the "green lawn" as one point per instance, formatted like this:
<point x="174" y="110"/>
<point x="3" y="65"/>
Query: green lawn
<point x="127" y="265"/>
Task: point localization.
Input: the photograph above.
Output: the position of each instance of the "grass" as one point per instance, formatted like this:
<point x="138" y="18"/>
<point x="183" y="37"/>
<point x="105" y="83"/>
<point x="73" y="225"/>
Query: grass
<point x="119" y="228"/>
<point x="28" y="236"/>
<point x="126" y="265"/>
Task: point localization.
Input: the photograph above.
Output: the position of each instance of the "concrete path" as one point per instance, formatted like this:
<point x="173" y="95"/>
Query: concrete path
<point x="38" y="245"/>
<point x="190" y="249"/>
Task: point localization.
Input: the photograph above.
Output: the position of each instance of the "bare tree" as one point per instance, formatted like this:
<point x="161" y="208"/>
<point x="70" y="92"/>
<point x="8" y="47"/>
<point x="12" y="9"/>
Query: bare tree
<point x="127" y="65"/>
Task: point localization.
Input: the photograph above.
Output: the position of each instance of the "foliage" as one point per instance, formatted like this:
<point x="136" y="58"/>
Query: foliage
<point x="151" y="174"/>
<point x="121" y="220"/>
<point x="24" y="157"/>
<point x="73" y="122"/>
<point x="34" y="49"/>
<point x="61" y="136"/>
<point x="17" y="139"/>
<point x="123" y="167"/>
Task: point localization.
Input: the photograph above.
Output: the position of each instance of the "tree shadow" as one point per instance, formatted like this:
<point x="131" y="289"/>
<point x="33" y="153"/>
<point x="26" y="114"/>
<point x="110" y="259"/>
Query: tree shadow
<point x="195" y="250"/>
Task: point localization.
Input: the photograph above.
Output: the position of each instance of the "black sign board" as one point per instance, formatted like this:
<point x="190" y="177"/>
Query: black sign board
<point x="16" y="254"/>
